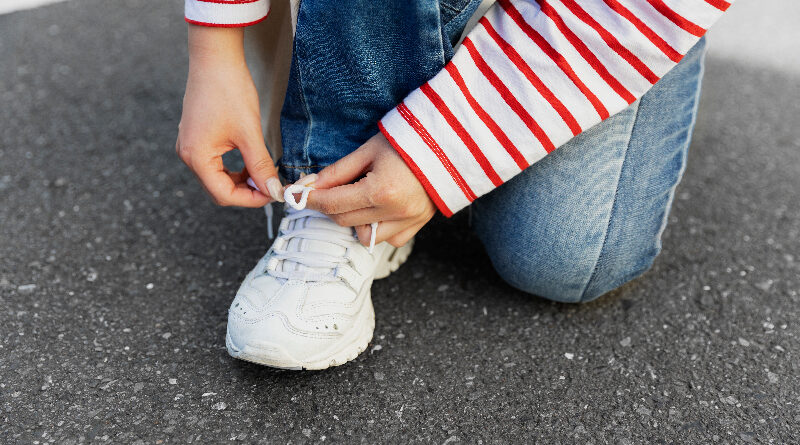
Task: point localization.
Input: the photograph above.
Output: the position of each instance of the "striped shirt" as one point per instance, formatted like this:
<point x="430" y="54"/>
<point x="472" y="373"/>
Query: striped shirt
<point x="529" y="77"/>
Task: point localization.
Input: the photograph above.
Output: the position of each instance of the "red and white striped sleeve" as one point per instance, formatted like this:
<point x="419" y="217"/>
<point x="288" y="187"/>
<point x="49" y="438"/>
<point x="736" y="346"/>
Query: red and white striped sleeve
<point x="529" y="77"/>
<point x="226" y="13"/>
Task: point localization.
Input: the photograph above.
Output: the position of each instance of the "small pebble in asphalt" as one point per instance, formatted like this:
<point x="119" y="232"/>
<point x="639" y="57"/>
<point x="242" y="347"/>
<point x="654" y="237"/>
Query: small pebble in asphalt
<point x="764" y="285"/>
<point x="26" y="288"/>
<point x="772" y="377"/>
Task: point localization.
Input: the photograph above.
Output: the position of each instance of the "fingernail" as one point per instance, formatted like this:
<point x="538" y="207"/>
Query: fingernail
<point x="274" y="187"/>
<point x="307" y="179"/>
<point x="252" y="183"/>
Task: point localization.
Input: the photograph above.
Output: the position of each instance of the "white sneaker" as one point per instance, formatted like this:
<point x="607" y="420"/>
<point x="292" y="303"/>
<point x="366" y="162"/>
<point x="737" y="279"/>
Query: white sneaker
<point x="307" y="304"/>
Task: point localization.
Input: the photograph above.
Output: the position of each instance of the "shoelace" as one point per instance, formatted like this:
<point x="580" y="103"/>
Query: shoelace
<point x="297" y="210"/>
<point x="308" y="261"/>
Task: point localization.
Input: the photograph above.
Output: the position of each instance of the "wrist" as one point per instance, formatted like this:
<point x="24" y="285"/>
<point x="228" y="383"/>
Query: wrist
<point x="209" y="47"/>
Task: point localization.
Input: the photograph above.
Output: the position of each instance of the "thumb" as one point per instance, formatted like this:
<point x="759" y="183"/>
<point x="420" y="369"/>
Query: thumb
<point x="260" y="167"/>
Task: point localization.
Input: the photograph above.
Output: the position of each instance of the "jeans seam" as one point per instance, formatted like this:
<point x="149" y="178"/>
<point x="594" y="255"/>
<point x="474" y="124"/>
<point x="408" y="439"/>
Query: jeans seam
<point x="684" y="156"/>
<point x="441" y="42"/>
<point x="596" y="267"/>
<point x="459" y="13"/>
<point x="305" y="109"/>
<point x="452" y="9"/>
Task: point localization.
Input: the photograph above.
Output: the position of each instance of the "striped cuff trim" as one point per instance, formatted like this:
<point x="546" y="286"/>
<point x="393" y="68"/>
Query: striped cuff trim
<point x="419" y="150"/>
<point x="227" y="14"/>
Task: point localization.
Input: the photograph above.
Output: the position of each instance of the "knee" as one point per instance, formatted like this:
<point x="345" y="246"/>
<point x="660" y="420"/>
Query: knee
<point x="571" y="278"/>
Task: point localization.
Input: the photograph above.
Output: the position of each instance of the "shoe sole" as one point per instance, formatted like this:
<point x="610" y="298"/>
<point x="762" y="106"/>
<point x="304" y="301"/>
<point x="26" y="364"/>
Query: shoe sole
<point x="348" y="348"/>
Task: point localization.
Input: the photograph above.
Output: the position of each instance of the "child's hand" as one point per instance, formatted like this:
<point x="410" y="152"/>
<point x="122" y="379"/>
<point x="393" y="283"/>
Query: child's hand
<point x="221" y="113"/>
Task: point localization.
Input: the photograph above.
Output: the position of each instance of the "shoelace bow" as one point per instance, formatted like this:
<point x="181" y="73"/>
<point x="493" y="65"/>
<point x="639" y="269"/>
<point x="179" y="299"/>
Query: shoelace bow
<point x="297" y="210"/>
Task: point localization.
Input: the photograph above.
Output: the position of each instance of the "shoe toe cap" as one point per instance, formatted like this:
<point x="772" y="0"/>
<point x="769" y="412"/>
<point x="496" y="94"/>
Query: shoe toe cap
<point x="250" y="326"/>
<point x="260" y="340"/>
<point x="270" y="338"/>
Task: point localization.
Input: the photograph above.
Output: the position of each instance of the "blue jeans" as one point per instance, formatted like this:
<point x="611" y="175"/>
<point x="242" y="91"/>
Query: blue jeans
<point x="576" y="225"/>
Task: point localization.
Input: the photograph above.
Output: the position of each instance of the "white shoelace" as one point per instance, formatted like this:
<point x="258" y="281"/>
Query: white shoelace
<point x="297" y="211"/>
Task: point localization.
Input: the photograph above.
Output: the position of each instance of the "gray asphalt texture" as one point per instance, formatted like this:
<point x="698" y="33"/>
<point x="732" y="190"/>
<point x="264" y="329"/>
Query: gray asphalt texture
<point x="116" y="273"/>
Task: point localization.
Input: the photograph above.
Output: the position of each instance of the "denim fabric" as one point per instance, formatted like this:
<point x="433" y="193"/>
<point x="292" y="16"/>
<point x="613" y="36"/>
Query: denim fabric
<point x="589" y="217"/>
<point x="583" y="221"/>
<point x="353" y="61"/>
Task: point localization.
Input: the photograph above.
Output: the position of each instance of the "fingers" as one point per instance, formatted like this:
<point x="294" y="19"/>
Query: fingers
<point x="344" y="198"/>
<point x="345" y="170"/>
<point x="225" y="188"/>
<point x="259" y="165"/>
<point x="237" y="177"/>
<point x="388" y="230"/>
<point x="358" y="217"/>
<point x="405" y="236"/>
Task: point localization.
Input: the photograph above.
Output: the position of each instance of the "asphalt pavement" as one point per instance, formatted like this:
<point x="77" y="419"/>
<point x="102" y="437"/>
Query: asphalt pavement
<point x="116" y="274"/>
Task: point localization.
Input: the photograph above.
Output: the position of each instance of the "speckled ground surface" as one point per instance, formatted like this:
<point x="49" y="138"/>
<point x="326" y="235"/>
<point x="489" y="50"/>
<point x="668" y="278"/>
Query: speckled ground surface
<point x="116" y="273"/>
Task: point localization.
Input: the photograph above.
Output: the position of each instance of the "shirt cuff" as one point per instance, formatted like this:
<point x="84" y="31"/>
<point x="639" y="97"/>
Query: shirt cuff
<point x="226" y="13"/>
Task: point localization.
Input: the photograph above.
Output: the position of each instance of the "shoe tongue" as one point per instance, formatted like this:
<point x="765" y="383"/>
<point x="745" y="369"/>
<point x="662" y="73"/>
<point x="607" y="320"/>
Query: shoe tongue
<point x="299" y="244"/>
